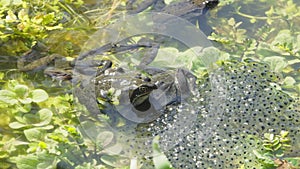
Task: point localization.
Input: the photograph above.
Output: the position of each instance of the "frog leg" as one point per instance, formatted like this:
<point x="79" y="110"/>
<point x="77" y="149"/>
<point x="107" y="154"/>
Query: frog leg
<point x="150" y="53"/>
<point x="149" y="46"/>
<point x="37" y="63"/>
<point x="104" y="65"/>
<point x="34" y="59"/>
<point x="185" y="82"/>
<point x="157" y="5"/>
<point x="111" y="48"/>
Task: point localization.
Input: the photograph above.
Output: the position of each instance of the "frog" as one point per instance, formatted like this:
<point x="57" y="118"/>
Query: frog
<point x="193" y="11"/>
<point x="55" y="65"/>
<point x="186" y="9"/>
<point x="144" y="96"/>
<point x="147" y="86"/>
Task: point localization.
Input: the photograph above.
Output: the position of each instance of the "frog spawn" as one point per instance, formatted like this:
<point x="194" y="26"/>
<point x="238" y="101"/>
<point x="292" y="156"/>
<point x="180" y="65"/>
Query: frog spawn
<point x="176" y="122"/>
<point x="252" y="107"/>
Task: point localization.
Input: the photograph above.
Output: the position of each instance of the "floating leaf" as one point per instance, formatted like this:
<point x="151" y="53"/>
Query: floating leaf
<point x="266" y="160"/>
<point x="33" y="134"/>
<point x="104" y="138"/>
<point x="26" y="161"/>
<point x="25" y="100"/>
<point x="90" y="129"/>
<point x="276" y="63"/>
<point x="16" y="125"/>
<point x="210" y="56"/>
<point x="25" y="108"/>
<point x="114" y="161"/>
<point x="21" y="90"/>
<point x="39" y="95"/>
<point x="159" y="159"/>
<point x="163" y="60"/>
<point x="47" y="161"/>
<point x="8" y="97"/>
<point x="289" y="81"/>
<point x="45" y="116"/>
<point x="114" y="150"/>
<point x="294" y="61"/>
<point x="4" y="119"/>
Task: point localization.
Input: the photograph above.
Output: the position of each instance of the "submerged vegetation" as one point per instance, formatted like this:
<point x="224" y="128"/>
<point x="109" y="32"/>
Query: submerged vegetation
<point x="257" y="45"/>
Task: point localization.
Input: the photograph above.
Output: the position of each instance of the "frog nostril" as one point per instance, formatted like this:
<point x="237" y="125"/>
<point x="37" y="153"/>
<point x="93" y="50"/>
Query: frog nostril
<point x="120" y="70"/>
<point x="147" y="79"/>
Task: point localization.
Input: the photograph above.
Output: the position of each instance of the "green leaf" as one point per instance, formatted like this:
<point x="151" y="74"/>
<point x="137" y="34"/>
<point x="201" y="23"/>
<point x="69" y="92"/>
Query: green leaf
<point x="289" y="81"/>
<point x="264" y="158"/>
<point x="11" y="17"/>
<point x="162" y="60"/>
<point x="33" y="134"/>
<point x="1" y="75"/>
<point x="49" y="18"/>
<point x="26" y="161"/>
<point x="286" y="145"/>
<point x="295" y="161"/>
<point x="258" y="155"/>
<point x="277" y="147"/>
<point x="21" y="90"/>
<point x="25" y="100"/>
<point x="231" y="22"/>
<point x="47" y="161"/>
<point x="45" y="116"/>
<point x="269" y="136"/>
<point x="209" y="56"/>
<point x="39" y="95"/>
<point x="25" y="108"/>
<point x="276" y="63"/>
<point x="159" y="159"/>
<point x="104" y="138"/>
<point x="279" y="153"/>
<point x="268" y="147"/>
<point x="114" y="150"/>
<point x="109" y="160"/>
<point x="275" y="141"/>
<point x="8" y="97"/>
<point x="294" y="61"/>
<point x="284" y="134"/>
<point x="90" y="129"/>
<point x="114" y="161"/>
<point x="16" y="125"/>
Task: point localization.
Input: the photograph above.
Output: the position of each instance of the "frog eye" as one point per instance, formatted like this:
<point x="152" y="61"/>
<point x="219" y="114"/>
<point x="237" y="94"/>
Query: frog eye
<point x="143" y="89"/>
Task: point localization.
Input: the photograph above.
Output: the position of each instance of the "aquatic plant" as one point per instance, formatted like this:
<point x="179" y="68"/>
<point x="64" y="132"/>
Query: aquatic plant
<point x="273" y="149"/>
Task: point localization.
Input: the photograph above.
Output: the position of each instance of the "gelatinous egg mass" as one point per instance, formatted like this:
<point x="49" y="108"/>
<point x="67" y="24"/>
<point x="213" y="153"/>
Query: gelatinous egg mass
<point x="253" y="106"/>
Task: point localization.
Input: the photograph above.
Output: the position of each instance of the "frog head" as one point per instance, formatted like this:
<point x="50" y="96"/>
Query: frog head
<point x="139" y="97"/>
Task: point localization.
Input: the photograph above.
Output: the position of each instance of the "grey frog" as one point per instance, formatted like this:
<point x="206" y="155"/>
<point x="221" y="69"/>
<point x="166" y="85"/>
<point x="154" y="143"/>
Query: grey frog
<point x="144" y="98"/>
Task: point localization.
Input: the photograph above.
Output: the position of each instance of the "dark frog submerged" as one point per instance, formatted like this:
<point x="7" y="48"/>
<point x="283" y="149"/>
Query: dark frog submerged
<point x="143" y="95"/>
<point x="185" y="8"/>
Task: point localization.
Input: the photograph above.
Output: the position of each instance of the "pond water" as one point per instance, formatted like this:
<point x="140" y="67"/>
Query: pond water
<point x="150" y="90"/>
